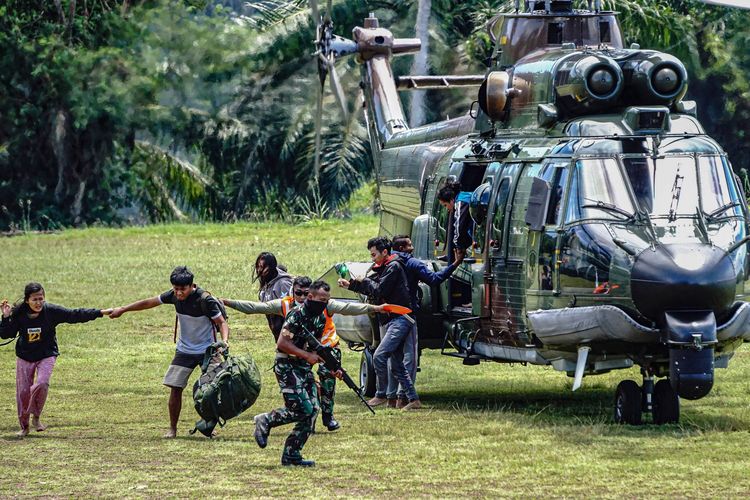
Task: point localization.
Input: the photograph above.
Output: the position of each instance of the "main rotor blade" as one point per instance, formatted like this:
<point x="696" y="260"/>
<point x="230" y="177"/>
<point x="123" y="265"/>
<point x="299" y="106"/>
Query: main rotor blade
<point x="739" y="4"/>
<point x="315" y="12"/>
<point x="318" y="120"/>
<point x="329" y="10"/>
<point x="338" y="92"/>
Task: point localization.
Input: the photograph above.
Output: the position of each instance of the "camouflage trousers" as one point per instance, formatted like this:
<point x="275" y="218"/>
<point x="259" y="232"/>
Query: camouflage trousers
<point x="327" y="388"/>
<point x="297" y="385"/>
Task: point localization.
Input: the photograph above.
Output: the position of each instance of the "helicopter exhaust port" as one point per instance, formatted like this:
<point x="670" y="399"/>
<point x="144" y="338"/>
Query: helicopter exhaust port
<point x="655" y="78"/>
<point x="587" y="82"/>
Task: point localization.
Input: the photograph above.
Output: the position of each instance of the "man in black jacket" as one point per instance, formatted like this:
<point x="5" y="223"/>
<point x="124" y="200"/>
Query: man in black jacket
<point x="388" y="284"/>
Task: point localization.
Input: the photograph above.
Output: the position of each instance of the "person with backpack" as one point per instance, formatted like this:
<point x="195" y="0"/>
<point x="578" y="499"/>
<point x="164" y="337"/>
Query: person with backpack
<point x="199" y="315"/>
<point x="388" y="284"/>
<point x="33" y="322"/>
<point x="295" y="357"/>
<point x="416" y="272"/>
<point x="282" y="307"/>
<point x="275" y="283"/>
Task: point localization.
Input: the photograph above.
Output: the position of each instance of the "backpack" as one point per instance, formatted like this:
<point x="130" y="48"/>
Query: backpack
<point x="204" y="309"/>
<point x="228" y="386"/>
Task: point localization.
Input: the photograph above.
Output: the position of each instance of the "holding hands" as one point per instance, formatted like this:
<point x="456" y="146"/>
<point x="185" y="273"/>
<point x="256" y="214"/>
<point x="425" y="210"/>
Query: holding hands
<point x="5" y="308"/>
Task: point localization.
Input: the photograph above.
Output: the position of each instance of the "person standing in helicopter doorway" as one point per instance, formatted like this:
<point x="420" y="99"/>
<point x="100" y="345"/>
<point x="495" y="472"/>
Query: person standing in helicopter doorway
<point x="275" y="283"/>
<point x="457" y="203"/>
<point x="416" y="272"/>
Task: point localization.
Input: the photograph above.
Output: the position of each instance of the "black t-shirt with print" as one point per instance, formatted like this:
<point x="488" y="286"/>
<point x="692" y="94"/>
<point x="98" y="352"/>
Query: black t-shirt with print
<point x="38" y="336"/>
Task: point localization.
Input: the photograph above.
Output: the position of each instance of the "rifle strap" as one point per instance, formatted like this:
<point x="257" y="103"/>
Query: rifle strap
<point x="174" y="337"/>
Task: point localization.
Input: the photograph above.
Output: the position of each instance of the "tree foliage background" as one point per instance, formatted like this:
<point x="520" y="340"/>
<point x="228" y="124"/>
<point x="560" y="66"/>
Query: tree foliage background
<point x="152" y="110"/>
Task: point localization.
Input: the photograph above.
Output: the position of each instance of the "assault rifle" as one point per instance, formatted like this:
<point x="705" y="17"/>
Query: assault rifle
<point x="333" y="364"/>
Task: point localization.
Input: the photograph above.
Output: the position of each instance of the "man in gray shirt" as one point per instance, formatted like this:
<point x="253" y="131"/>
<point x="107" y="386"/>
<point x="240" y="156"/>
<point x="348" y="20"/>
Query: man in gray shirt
<point x="199" y="317"/>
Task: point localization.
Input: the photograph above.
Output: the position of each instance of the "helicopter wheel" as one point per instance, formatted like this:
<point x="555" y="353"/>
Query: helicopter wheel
<point x="628" y="404"/>
<point x="666" y="403"/>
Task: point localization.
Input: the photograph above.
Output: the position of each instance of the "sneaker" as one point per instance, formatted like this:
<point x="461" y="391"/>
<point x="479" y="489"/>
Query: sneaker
<point x="331" y="424"/>
<point x="392" y="402"/>
<point x="261" y="429"/>
<point x="376" y="401"/>
<point x="401" y="403"/>
<point x="296" y="461"/>
<point x="412" y="405"/>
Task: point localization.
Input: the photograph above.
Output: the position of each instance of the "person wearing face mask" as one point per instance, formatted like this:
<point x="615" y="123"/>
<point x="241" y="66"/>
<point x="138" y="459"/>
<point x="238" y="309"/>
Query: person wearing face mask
<point x="275" y="283"/>
<point x="282" y="307"/>
<point x="295" y="358"/>
<point x="34" y="322"/>
<point x="199" y="316"/>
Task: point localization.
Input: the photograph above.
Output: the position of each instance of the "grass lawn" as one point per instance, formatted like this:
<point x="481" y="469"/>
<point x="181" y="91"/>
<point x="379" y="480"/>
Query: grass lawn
<point x="488" y="430"/>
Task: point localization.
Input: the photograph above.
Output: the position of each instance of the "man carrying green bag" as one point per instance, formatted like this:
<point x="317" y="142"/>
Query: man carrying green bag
<point x="227" y="386"/>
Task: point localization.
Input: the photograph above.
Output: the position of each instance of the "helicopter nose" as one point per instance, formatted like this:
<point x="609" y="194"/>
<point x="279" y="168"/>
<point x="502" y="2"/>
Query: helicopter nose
<point x="682" y="277"/>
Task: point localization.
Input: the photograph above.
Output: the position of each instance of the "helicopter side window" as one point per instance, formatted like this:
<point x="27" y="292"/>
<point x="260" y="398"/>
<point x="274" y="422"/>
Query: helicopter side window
<point x="441" y="226"/>
<point x="555" y="33"/>
<point x="718" y="194"/>
<point x="498" y="221"/>
<point x="605" y="35"/>
<point x="598" y="191"/>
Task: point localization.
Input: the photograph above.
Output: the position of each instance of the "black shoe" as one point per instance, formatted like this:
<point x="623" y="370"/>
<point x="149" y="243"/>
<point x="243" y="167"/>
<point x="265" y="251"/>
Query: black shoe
<point x="331" y="424"/>
<point x="296" y="461"/>
<point x="261" y="429"/>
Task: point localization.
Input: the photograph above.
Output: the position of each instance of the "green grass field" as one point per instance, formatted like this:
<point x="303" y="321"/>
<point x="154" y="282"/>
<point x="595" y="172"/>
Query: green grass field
<point x="489" y="430"/>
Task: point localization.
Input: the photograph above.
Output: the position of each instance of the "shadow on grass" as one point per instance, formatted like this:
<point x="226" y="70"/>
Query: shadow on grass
<point x="593" y="406"/>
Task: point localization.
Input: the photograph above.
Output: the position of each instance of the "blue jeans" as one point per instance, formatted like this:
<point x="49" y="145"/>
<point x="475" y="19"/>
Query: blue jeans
<point x="391" y="347"/>
<point x="409" y="348"/>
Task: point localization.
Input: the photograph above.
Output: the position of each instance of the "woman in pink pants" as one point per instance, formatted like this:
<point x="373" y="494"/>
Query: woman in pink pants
<point x="33" y="321"/>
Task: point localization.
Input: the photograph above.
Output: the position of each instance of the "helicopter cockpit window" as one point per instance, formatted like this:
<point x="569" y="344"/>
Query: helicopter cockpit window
<point x="598" y="191"/>
<point x="718" y="194"/>
<point x="667" y="187"/>
<point x="498" y="220"/>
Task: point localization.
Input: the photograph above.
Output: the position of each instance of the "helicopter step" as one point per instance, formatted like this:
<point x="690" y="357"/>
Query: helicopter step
<point x="659" y="399"/>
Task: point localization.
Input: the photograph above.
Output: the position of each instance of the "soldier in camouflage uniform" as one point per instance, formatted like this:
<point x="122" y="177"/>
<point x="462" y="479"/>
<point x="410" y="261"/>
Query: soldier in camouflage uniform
<point x="284" y="306"/>
<point x="293" y="368"/>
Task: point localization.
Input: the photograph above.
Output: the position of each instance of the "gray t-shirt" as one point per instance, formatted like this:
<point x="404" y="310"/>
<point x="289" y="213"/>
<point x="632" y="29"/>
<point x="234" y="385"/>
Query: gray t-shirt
<point x="196" y="327"/>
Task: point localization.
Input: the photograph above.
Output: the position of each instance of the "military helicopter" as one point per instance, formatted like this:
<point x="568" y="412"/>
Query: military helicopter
<point x="608" y="229"/>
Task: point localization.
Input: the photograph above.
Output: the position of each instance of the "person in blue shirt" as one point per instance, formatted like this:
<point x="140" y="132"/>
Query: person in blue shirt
<point x="416" y="271"/>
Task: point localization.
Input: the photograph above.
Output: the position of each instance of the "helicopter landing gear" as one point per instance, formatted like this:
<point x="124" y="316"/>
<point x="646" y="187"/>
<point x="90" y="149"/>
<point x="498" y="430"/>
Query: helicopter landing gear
<point x="666" y="404"/>
<point x="659" y="399"/>
<point x="628" y="403"/>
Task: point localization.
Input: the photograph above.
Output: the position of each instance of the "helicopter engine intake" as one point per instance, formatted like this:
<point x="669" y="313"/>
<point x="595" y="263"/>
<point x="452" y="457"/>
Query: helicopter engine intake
<point x="654" y="78"/>
<point x="587" y="82"/>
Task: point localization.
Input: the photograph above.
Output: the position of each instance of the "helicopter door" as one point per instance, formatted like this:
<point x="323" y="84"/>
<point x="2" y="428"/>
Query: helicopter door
<point x="547" y="280"/>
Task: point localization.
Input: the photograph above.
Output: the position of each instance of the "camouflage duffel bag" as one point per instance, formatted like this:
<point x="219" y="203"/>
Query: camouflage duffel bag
<point x="228" y="385"/>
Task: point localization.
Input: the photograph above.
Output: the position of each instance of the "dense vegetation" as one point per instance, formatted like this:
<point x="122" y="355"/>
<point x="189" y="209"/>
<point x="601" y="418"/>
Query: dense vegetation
<point x="118" y="111"/>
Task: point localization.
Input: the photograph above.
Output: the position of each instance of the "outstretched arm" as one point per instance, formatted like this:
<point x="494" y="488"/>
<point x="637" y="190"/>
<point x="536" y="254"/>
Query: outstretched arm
<point x="253" y="307"/>
<point x="141" y="305"/>
<point x="352" y="308"/>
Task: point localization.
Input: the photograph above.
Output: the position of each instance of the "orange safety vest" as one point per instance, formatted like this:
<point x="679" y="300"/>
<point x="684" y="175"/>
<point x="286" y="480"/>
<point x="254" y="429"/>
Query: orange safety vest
<point x="330" y="337"/>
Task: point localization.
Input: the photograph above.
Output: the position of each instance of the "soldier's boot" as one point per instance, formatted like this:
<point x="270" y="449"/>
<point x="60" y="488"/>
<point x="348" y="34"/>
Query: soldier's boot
<point x="262" y="429"/>
<point x="330" y="423"/>
<point x="296" y="461"/>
